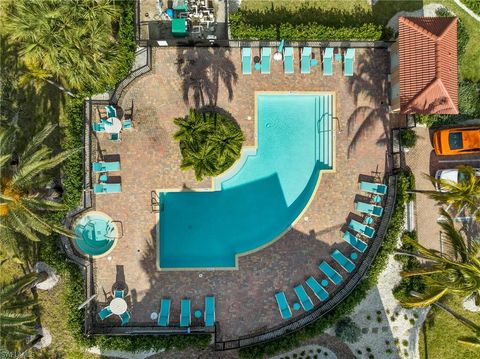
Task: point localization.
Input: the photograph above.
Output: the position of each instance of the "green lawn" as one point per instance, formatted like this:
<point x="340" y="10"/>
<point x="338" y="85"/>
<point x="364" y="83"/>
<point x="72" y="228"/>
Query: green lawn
<point x="441" y="335"/>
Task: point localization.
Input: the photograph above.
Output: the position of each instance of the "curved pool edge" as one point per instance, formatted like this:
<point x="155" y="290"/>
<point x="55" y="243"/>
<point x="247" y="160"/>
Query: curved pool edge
<point x="240" y="163"/>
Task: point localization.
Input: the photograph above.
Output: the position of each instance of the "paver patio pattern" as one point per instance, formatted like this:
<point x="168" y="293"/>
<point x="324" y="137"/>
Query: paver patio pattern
<point x="150" y="160"/>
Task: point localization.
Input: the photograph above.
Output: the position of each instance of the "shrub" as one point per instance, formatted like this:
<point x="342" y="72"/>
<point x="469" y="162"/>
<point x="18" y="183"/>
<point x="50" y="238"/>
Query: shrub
<point x="347" y="330"/>
<point x="394" y="230"/>
<point x="379" y="319"/>
<point x="408" y="284"/>
<point x="405" y="343"/>
<point x="408" y="138"/>
<point x="412" y="321"/>
<point x="209" y="142"/>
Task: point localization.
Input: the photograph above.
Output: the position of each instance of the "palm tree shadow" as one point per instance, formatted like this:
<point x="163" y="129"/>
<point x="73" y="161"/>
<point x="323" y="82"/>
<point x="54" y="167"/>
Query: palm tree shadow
<point x="369" y="82"/>
<point x="202" y="71"/>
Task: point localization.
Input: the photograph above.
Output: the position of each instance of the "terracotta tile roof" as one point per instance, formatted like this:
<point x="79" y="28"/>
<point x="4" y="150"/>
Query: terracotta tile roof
<point x="428" y="65"/>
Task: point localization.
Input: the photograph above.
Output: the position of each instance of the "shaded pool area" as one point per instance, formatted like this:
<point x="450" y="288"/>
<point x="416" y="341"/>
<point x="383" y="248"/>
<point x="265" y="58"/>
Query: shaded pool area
<point x="96" y="233"/>
<point x="261" y="196"/>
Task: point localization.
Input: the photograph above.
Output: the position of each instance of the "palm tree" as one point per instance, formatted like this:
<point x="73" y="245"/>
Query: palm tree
<point x="22" y="199"/>
<point x="455" y="272"/>
<point x="463" y="195"/>
<point x="16" y="320"/>
<point x="203" y="160"/>
<point x="191" y="128"/>
<point x="228" y="142"/>
<point x="68" y="42"/>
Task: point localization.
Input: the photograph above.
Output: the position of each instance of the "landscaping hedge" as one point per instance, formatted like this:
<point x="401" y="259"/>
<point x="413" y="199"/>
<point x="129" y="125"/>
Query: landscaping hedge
<point x="241" y="28"/>
<point x="395" y="228"/>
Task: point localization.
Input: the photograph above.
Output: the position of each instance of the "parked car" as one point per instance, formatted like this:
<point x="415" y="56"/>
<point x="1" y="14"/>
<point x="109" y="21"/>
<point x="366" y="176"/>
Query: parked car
<point x="452" y="175"/>
<point x="457" y="141"/>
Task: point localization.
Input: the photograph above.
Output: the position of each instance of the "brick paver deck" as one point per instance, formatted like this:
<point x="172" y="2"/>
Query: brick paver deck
<point x="150" y="160"/>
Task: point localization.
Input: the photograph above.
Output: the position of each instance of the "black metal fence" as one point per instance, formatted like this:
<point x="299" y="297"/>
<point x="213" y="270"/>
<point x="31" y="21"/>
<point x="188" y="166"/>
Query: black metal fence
<point x="323" y="308"/>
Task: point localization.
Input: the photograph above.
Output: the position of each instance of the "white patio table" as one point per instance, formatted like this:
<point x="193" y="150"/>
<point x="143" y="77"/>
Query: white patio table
<point x="118" y="306"/>
<point x="114" y="127"/>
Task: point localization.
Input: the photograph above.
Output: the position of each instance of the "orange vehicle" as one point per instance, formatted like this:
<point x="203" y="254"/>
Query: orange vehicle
<point x="456" y="141"/>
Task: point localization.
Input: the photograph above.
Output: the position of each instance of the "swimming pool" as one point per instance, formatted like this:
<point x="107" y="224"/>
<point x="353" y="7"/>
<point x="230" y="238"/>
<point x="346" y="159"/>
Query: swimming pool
<point x="261" y="196"/>
<point x="95" y="233"/>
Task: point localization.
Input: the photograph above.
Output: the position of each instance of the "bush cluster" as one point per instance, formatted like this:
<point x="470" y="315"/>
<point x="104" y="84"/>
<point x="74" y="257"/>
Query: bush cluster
<point x="408" y="138"/>
<point x="347" y="330"/>
<point x="209" y="142"/>
<point x="311" y="31"/>
<point x="409" y="263"/>
<point x="394" y="230"/>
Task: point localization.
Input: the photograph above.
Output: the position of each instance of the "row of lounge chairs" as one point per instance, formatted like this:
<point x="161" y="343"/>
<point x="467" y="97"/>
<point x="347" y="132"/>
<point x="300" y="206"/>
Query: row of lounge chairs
<point x="106" y="167"/>
<point x="306" y="61"/>
<point x="345" y="262"/>
<point x="185" y="312"/>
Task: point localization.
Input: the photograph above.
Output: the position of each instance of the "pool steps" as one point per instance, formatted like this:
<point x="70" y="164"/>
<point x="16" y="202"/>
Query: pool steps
<point x="325" y="131"/>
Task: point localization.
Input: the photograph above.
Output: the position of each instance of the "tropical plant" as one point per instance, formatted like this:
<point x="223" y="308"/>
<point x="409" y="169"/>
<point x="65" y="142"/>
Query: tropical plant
<point x="209" y="142"/>
<point x="23" y="201"/>
<point x="347" y="330"/>
<point x="456" y="271"/>
<point x="408" y="138"/>
<point x="463" y="195"/>
<point x="68" y="43"/>
<point x="16" y="319"/>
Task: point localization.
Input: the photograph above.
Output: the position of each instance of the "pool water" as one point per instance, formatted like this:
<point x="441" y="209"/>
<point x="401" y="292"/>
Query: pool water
<point x="95" y="233"/>
<point x="261" y="197"/>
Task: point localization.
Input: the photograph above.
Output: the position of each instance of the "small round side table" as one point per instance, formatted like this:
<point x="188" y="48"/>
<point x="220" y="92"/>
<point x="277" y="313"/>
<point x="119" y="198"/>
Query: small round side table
<point x="197" y="314"/>
<point x="353" y="256"/>
<point x="296" y="306"/>
<point x="324" y="282"/>
<point x="103" y="178"/>
<point x="368" y="220"/>
<point x="377" y="199"/>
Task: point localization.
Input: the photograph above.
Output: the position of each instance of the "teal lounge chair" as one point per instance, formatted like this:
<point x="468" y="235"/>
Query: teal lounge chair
<point x="331" y="273"/>
<point x="124" y="317"/>
<point x="369" y="209"/>
<point x="305" y="60"/>
<point x="265" y="63"/>
<point x="105" y="313"/>
<point x="209" y="314"/>
<point x="348" y="63"/>
<point x="98" y="127"/>
<point x="246" y="61"/>
<point x="119" y="293"/>
<point x="356" y="243"/>
<point x="361" y="228"/>
<point x="106" y="166"/>
<point x="344" y="262"/>
<point x="111" y="111"/>
<point x="107" y="188"/>
<point x="376" y="188"/>
<point x="328" y="61"/>
<point x="283" y="306"/>
<point x="127" y="124"/>
<point x="317" y="289"/>
<point x="185" y="315"/>
<point x="305" y="300"/>
<point x="164" y="315"/>
<point x="288" y="60"/>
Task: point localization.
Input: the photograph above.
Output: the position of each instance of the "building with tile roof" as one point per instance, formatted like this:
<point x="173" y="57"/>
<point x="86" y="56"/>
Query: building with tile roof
<point x="424" y="75"/>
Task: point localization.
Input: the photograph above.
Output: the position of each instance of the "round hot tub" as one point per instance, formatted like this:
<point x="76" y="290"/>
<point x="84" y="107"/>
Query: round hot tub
<point x="95" y="234"/>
